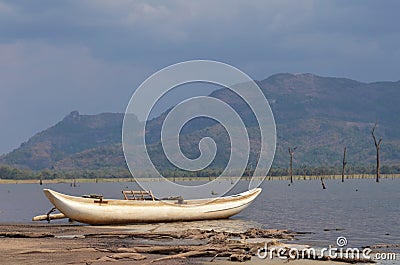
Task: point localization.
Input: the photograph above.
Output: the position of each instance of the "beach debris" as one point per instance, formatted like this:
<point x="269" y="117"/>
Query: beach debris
<point x="213" y="258"/>
<point x="240" y="257"/>
<point x="231" y="245"/>
<point x="26" y="234"/>
<point x="184" y="255"/>
<point x="114" y="258"/>
<point x="36" y="251"/>
<point x="133" y="256"/>
<point x="154" y="246"/>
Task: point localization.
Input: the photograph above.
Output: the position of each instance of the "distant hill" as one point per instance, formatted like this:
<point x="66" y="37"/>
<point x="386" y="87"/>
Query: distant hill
<point x="319" y="115"/>
<point x="74" y="136"/>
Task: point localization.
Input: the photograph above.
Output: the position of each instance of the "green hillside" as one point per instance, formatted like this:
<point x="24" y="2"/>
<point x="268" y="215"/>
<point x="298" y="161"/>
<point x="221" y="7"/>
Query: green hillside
<point x="73" y="135"/>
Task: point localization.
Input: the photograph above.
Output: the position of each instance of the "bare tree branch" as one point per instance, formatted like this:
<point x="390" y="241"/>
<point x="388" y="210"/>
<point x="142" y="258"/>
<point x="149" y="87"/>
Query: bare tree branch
<point x="377" y="147"/>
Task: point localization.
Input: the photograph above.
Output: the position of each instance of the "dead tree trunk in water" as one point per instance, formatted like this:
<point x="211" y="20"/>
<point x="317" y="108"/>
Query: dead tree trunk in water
<point x="291" y="153"/>
<point x="377" y="146"/>
<point x="344" y="162"/>
<point x="304" y="168"/>
<point x="323" y="184"/>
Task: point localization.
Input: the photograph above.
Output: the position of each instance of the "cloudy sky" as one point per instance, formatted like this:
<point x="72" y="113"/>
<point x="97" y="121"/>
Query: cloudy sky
<point x="90" y="55"/>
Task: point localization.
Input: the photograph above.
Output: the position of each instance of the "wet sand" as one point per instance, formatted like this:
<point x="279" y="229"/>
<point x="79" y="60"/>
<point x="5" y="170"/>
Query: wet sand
<point x="61" y="243"/>
<point x="70" y="244"/>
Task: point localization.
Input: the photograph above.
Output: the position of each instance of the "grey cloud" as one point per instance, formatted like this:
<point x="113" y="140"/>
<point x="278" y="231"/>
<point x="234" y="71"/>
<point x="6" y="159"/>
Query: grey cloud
<point x="56" y="56"/>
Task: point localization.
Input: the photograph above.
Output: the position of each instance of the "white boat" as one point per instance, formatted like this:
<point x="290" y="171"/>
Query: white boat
<point x="96" y="210"/>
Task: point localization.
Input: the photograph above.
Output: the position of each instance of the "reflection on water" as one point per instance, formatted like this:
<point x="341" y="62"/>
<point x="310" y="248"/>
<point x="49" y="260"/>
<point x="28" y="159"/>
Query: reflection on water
<point x="365" y="212"/>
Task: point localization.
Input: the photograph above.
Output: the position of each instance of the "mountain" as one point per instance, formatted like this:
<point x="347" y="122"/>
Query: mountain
<point x="74" y="136"/>
<point x="319" y="115"/>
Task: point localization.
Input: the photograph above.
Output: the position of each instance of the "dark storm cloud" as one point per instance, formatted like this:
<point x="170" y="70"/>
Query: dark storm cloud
<point x="56" y="56"/>
<point x="159" y="32"/>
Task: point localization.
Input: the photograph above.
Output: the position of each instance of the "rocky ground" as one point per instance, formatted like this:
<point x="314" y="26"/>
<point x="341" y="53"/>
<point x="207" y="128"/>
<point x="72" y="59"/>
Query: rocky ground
<point x="211" y="242"/>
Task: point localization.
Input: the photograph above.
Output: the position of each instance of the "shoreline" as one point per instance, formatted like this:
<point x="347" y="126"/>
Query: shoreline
<point x="200" y="179"/>
<point x="205" y="242"/>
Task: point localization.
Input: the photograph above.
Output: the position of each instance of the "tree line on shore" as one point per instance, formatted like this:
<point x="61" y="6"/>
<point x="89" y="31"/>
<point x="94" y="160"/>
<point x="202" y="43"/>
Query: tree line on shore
<point x="9" y="172"/>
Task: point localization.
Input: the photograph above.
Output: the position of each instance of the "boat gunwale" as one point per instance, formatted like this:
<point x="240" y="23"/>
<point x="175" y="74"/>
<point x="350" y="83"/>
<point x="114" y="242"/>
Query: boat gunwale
<point x="187" y="203"/>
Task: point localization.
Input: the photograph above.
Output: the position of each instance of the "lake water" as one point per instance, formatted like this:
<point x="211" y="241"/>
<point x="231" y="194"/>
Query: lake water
<point x="365" y="212"/>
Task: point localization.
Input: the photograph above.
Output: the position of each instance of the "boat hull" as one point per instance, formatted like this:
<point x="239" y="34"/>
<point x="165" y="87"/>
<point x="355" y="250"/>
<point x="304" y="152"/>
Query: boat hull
<point x="108" y="211"/>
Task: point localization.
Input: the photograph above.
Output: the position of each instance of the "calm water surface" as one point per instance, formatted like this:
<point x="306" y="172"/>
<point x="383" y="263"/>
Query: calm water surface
<point x="365" y="212"/>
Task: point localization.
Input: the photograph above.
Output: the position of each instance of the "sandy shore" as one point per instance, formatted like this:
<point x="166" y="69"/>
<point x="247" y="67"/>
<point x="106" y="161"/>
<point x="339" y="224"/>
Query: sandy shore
<point x="57" y="243"/>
